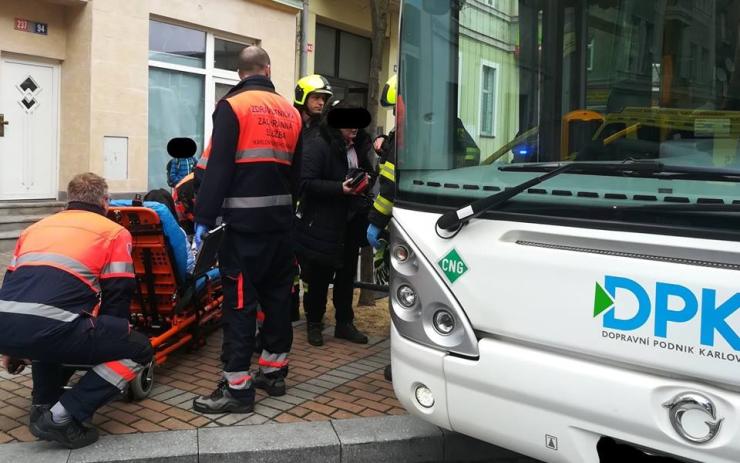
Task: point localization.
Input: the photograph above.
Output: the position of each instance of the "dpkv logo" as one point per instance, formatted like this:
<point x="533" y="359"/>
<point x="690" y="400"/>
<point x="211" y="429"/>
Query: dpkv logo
<point x="672" y="304"/>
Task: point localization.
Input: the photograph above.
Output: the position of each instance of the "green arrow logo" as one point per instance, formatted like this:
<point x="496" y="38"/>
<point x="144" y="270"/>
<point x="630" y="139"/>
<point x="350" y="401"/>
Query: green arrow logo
<point x="602" y="300"/>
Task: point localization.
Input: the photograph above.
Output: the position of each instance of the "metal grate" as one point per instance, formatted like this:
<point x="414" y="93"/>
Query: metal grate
<point x="632" y="255"/>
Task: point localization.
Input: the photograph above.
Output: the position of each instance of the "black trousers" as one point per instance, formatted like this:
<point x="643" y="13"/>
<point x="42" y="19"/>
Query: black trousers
<point x="105" y="342"/>
<point x="318" y="277"/>
<point x="257" y="271"/>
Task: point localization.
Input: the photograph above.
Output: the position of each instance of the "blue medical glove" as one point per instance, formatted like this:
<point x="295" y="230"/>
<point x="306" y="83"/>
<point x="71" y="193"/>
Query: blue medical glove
<point x="200" y="230"/>
<point x="373" y="235"/>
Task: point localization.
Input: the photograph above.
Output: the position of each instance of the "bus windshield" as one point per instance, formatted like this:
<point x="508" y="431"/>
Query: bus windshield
<point x="494" y="92"/>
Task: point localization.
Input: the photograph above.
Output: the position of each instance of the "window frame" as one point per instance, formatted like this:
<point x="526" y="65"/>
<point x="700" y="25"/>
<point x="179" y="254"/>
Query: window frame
<point x="495" y="66"/>
<point x="212" y="74"/>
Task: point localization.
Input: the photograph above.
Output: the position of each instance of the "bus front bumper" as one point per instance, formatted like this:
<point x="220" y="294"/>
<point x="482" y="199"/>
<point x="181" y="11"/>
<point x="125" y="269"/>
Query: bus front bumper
<point x="555" y="407"/>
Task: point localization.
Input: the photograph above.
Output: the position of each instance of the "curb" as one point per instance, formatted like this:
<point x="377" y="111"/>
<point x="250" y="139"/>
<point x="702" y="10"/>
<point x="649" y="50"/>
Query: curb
<point x="388" y="438"/>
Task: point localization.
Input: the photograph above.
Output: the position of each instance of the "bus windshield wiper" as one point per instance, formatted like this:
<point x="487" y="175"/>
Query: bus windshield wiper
<point x="452" y="221"/>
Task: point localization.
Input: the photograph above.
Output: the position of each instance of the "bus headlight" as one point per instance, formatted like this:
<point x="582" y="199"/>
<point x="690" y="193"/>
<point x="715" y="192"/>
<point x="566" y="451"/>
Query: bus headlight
<point x="406" y="296"/>
<point x="444" y="322"/>
<point x="424" y="396"/>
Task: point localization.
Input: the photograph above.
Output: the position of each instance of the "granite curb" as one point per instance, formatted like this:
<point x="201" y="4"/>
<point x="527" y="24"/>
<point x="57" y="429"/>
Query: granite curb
<point x="387" y="438"/>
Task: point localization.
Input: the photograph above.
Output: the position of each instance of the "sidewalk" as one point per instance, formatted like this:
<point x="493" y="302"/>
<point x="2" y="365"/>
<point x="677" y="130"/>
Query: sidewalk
<point x="336" y="381"/>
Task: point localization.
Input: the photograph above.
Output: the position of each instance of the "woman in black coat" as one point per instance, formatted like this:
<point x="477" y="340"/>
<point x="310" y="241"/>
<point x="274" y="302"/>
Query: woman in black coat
<point x="332" y="223"/>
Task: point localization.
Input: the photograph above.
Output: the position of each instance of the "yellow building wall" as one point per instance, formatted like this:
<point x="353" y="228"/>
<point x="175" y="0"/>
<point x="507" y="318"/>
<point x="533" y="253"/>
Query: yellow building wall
<point x="51" y="46"/>
<point x="355" y="16"/>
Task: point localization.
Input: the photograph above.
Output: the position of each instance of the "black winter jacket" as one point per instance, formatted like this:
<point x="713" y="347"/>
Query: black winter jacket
<point x="324" y="211"/>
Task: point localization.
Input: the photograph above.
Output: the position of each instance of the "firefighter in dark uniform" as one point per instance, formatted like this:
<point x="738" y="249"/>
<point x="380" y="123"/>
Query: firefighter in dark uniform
<point x="65" y="300"/>
<point x="385" y="147"/>
<point x="311" y="95"/>
<point x="251" y="174"/>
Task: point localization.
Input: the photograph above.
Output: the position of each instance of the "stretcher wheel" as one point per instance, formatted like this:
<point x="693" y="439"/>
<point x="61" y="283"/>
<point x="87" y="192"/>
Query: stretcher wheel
<point x="141" y="386"/>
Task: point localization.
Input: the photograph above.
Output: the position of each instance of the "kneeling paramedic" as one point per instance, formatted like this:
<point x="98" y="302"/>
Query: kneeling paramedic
<point x="250" y="178"/>
<point x="65" y="300"/>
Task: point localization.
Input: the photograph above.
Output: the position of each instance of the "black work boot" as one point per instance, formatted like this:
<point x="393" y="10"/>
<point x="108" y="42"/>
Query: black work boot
<point x="273" y="383"/>
<point x="315" y="337"/>
<point x="388" y="373"/>
<point x="221" y="401"/>
<point x="34" y="415"/>
<point x="349" y="332"/>
<point x="71" y="434"/>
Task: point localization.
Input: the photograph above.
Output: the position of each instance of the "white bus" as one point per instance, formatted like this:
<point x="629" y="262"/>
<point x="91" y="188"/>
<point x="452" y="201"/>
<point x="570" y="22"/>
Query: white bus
<point x="565" y="245"/>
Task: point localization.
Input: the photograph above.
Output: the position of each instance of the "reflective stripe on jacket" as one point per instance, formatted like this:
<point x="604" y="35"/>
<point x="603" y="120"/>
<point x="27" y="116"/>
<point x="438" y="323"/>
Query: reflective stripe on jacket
<point x="62" y="267"/>
<point x="250" y="168"/>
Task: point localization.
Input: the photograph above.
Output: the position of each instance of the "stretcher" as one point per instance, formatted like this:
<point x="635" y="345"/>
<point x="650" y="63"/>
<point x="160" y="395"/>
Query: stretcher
<point x="174" y="308"/>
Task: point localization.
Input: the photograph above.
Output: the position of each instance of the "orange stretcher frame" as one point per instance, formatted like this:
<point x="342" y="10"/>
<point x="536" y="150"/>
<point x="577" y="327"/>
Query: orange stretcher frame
<point x="169" y="311"/>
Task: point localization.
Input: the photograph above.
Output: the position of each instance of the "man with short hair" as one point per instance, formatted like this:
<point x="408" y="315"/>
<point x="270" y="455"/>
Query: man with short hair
<point x="65" y="300"/>
<point x="250" y="178"/>
<point x="311" y="95"/>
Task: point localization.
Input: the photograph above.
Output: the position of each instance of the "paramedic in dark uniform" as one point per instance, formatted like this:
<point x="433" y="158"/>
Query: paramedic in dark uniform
<point x="250" y="176"/>
<point x="65" y="300"/>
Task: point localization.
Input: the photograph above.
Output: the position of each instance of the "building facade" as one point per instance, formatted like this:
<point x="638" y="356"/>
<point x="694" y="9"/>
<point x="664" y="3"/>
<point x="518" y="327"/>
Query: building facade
<point x="102" y="85"/>
<point x="339" y="48"/>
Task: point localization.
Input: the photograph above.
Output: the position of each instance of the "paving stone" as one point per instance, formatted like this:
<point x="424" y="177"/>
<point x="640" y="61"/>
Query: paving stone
<point x="320" y="383"/>
<point x="272" y="443"/>
<point x="291" y="399"/>
<point x="345" y="375"/>
<point x="312" y="388"/>
<point x="163" y="396"/>
<point x="307" y="395"/>
<point x="266" y="411"/>
<point x="254" y="419"/>
<point x="232" y="418"/>
<point x="174" y="423"/>
<point x="156" y="447"/>
<point x="180" y="398"/>
<point x="389" y="439"/>
<point x="334" y="380"/>
<point x="275" y="403"/>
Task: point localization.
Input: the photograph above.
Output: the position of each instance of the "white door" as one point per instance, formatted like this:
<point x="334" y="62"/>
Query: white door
<point x="28" y="150"/>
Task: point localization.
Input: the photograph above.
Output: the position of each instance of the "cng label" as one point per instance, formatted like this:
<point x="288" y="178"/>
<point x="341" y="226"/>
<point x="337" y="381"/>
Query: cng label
<point x="452" y="266"/>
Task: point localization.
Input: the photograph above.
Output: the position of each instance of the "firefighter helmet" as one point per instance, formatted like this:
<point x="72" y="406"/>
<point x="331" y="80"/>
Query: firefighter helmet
<point x="311" y="84"/>
<point x="388" y="95"/>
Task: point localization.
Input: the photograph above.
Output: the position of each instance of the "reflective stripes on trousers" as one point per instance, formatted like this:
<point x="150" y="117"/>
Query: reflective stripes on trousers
<point x="254" y="202"/>
<point x="118" y="372"/>
<point x="238" y="379"/>
<point x="272" y="362"/>
<point x="38" y="310"/>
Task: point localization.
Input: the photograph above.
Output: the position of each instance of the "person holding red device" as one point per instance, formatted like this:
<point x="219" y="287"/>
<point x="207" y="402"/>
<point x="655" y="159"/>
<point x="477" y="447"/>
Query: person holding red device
<point x="336" y="178"/>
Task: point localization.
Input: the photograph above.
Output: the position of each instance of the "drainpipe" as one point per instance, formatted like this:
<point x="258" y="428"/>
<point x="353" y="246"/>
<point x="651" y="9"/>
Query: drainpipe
<point x="303" y="68"/>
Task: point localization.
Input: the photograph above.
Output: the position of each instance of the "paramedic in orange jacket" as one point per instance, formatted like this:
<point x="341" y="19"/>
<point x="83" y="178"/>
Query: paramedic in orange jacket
<point x="250" y="178"/>
<point x="63" y="268"/>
